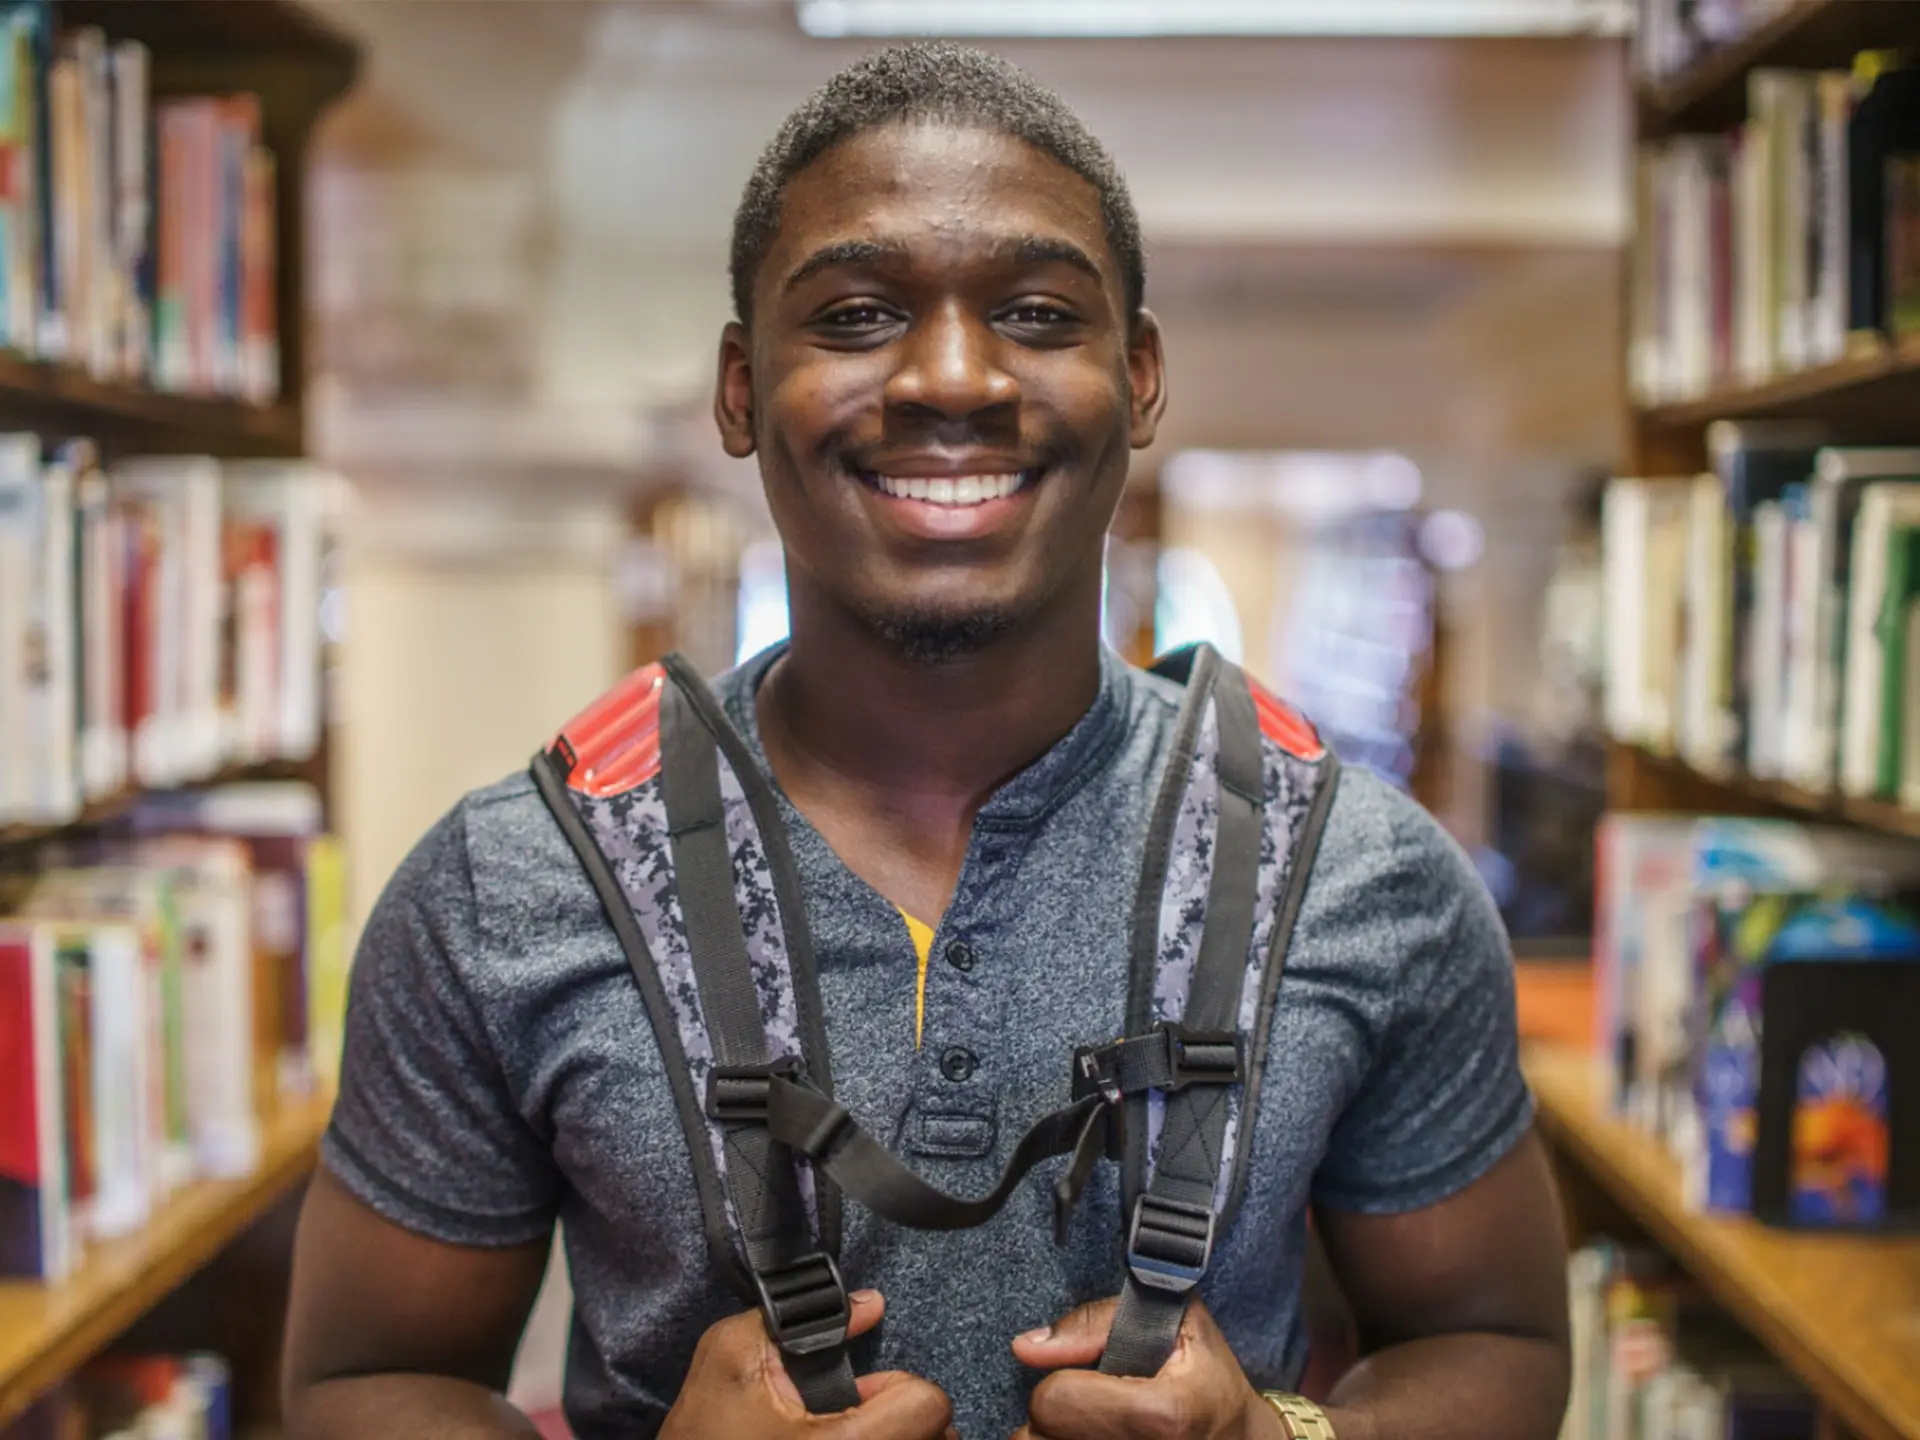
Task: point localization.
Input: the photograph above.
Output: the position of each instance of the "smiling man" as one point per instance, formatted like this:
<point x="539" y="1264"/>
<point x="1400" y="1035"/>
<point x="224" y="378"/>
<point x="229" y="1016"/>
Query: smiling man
<point x="942" y="362"/>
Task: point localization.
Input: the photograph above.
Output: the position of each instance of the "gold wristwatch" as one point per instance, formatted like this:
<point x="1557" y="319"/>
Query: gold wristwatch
<point x="1299" y="1417"/>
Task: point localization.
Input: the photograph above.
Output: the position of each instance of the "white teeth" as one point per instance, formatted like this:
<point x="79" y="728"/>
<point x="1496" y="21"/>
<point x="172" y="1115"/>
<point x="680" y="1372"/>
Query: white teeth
<point x="960" y="490"/>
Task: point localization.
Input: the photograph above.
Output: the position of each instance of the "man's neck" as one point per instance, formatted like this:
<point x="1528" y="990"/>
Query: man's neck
<point x="846" y="708"/>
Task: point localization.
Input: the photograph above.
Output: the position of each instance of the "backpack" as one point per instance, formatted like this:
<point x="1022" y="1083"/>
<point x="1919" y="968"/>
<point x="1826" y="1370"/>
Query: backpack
<point x="679" y="832"/>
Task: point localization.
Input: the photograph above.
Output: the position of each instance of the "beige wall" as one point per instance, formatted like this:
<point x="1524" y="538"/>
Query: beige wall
<point x="454" y="671"/>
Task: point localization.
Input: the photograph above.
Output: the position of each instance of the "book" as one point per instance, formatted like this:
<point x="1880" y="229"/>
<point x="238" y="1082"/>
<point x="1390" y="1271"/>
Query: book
<point x="1885" y="127"/>
<point x="1756" y="462"/>
<point x="36" y="1240"/>
<point x="23" y="26"/>
<point x="1815" y="687"/>
<point x="1902" y="591"/>
<point x="1883" y="505"/>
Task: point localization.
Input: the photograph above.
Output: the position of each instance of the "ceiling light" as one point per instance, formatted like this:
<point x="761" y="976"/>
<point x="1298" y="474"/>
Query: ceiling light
<point x="1105" y="18"/>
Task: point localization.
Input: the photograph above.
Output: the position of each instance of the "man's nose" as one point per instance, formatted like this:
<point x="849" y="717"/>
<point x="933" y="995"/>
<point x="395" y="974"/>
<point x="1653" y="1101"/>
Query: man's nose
<point x="950" y="368"/>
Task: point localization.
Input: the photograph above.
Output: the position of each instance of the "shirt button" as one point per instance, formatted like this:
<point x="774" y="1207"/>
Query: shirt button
<point x="960" y="956"/>
<point x="959" y="1064"/>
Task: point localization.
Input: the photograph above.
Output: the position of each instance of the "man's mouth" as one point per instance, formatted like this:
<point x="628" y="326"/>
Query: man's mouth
<point x="956" y="491"/>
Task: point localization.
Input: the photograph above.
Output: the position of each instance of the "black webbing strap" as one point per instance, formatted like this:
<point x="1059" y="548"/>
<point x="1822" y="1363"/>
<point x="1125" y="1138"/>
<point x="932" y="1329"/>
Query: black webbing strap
<point x="800" y="1290"/>
<point x="765" y="808"/>
<point x="817" y="1126"/>
<point x="1171" y="1228"/>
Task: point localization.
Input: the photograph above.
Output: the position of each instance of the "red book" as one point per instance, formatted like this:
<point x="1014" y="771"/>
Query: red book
<point x="35" y="1238"/>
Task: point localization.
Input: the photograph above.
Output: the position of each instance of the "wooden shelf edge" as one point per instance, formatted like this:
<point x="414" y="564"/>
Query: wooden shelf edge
<point x="1882" y="815"/>
<point x="1728" y="1256"/>
<point x="101" y="812"/>
<point x="1900" y="360"/>
<point x="47" y="1333"/>
<point x="226" y="424"/>
<point x="1667" y="102"/>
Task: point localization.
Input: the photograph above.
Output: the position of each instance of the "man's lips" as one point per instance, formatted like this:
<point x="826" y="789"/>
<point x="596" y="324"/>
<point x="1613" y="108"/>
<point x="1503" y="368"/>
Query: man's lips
<point x="956" y="488"/>
<point x="953" y="502"/>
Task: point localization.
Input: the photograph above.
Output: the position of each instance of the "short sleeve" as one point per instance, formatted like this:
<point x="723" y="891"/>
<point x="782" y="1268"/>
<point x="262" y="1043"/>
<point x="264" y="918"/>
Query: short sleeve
<point x="1442" y="1099"/>
<point x="426" y="1130"/>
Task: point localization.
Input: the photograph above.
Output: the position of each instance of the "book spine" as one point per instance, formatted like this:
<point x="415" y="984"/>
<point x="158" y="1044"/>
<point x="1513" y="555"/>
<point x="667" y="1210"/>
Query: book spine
<point x="133" y="186"/>
<point x="58" y="738"/>
<point x="120" y="1083"/>
<point x="36" y="1241"/>
<point x="172" y="357"/>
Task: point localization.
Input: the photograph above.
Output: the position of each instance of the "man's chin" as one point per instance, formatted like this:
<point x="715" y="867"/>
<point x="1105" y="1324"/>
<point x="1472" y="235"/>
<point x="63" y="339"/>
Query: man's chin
<point x="940" y="637"/>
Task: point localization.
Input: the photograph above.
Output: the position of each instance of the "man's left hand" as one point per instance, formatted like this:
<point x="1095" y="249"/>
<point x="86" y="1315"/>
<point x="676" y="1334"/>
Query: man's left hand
<point x="1199" y="1394"/>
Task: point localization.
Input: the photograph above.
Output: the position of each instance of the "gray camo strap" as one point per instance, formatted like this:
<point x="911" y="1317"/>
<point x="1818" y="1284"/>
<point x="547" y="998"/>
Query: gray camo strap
<point x="801" y="1293"/>
<point x="1172" y="1218"/>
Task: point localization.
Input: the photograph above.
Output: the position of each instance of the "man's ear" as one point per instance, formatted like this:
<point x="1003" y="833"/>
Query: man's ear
<point x="733" y="392"/>
<point x="1147" y="373"/>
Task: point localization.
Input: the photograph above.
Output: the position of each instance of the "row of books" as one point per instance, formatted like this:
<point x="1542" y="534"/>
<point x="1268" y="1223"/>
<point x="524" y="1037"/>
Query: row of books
<point x="1781" y="245"/>
<point x="1757" y="988"/>
<point x="165" y="988"/>
<point x="159" y="620"/>
<point x="1674" y="35"/>
<point x="1762" y="615"/>
<point x="1653" y="1359"/>
<point x="137" y="236"/>
<point x="135" y="1397"/>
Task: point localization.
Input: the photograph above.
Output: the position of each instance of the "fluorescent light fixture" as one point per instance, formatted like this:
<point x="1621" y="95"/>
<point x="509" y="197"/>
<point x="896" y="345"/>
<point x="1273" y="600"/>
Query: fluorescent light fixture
<point x="1115" y="18"/>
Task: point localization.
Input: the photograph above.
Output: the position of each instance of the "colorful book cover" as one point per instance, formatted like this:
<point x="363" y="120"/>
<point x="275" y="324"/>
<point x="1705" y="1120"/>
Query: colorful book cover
<point x="1742" y="933"/>
<point x="36" y="1240"/>
<point x="329" y="957"/>
<point x="73" y="980"/>
<point x="1842" y="1141"/>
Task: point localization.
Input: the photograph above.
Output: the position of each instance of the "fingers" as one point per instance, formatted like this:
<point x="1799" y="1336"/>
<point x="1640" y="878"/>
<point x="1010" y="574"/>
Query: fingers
<point x="867" y="1306"/>
<point x="864" y="1307"/>
<point x="1077" y="1403"/>
<point x="1078" y="1338"/>
<point x="894" y="1406"/>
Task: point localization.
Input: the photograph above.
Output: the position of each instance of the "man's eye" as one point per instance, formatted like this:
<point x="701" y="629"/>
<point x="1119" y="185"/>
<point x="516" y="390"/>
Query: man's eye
<point x="1034" y="312"/>
<point x="856" y="317"/>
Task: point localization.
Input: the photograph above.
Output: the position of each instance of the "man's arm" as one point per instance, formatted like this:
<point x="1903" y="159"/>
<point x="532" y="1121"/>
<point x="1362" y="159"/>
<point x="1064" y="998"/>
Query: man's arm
<point x="393" y="1334"/>
<point x="1461" y="1309"/>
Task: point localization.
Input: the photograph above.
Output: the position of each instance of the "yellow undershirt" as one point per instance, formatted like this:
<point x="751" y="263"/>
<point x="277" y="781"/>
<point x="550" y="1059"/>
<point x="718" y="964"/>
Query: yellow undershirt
<point x="923" y="947"/>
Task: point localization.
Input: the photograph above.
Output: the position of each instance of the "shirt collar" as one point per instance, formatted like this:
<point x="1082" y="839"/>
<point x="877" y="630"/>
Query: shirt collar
<point x="1030" y="795"/>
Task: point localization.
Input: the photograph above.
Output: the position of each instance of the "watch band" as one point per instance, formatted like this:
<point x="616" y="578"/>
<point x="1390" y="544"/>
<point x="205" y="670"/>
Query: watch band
<point x="1299" y="1417"/>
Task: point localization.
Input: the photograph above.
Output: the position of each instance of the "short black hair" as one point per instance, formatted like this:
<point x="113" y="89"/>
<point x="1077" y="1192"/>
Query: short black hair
<point x="948" y="84"/>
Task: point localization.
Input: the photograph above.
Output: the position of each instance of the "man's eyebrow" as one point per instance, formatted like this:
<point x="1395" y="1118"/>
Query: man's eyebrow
<point x="1047" y="250"/>
<point x="844" y="252"/>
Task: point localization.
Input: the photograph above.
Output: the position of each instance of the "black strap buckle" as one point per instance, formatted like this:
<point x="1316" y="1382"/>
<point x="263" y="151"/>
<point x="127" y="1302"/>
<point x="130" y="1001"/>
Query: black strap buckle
<point x="805" y="1304"/>
<point x="1168" y="1057"/>
<point x="743" y="1092"/>
<point x="1169" y="1243"/>
<point x="1201" y="1057"/>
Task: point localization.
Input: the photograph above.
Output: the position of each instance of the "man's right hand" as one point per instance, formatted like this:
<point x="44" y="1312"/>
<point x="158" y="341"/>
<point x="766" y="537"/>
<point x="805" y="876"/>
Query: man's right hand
<point x="739" y="1386"/>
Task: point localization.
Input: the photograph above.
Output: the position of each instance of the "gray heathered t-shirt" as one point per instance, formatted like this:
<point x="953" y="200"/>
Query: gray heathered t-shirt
<point x="501" y="1072"/>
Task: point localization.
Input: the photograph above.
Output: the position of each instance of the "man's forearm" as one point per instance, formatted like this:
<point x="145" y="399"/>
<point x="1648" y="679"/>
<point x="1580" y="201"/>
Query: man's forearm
<point x="403" y="1407"/>
<point x="1454" y="1387"/>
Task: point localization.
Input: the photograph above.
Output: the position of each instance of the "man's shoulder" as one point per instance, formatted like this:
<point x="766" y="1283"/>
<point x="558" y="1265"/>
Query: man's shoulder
<point x="1392" y="893"/>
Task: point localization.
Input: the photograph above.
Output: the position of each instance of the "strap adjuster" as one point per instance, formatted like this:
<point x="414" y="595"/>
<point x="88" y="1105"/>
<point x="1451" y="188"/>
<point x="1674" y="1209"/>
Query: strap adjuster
<point x="1169" y="1243"/>
<point x="1168" y="1057"/>
<point x="1201" y="1057"/>
<point x="805" y="1304"/>
<point x="743" y="1092"/>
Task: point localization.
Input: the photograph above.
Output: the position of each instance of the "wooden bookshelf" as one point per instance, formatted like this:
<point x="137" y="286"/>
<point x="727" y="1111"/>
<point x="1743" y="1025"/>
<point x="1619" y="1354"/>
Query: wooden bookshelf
<point x="1841" y="1312"/>
<point x="1641" y="780"/>
<point x="1807" y="35"/>
<point x="46" y="1331"/>
<point x="296" y="63"/>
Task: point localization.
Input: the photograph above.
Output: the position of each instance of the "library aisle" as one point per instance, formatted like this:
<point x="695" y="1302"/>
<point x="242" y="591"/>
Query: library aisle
<point x="1544" y="425"/>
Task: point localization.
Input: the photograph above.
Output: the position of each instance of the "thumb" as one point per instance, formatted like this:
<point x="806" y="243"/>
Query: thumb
<point x="1078" y="1338"/>
<point x="864" y="1309"/>
<point x="893" y="1406"/>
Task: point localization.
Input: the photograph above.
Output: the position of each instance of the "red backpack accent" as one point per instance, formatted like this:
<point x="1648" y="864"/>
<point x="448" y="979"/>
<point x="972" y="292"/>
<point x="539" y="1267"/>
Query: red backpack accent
<point x="614" y="744"/>
<point x="1284" y="725"/>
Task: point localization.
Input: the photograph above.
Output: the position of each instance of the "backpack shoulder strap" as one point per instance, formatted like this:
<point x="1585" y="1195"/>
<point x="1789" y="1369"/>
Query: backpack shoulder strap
<point x="701" y="895"/>
<point x="1210" y="936"/>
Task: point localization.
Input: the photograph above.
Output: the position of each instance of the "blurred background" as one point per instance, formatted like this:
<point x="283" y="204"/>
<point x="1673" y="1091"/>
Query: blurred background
<point x="357" y="361"/>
